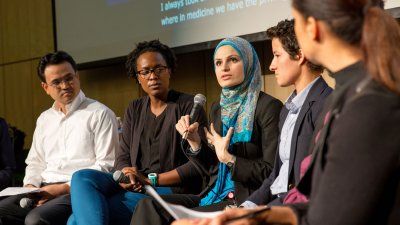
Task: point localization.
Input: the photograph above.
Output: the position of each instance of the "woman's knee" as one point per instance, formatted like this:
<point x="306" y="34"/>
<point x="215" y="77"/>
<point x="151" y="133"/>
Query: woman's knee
<point x="35" y="218"/>
<point x="85" y="176"/>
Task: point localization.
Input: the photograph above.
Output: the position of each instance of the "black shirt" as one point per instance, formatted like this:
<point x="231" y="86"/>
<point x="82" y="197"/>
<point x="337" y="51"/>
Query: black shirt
<point x="354" y="176"/>
<point x="149" y="154"/>
<point x="170" y="153"/>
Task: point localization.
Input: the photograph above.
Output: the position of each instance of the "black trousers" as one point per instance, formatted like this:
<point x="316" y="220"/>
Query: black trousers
<point x="149" y="212"/>
<point x="53" y="212"/>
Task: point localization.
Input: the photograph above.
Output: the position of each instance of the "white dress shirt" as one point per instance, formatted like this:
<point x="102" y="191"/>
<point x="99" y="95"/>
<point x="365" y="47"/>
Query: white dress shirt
<point x="85" y="137"/>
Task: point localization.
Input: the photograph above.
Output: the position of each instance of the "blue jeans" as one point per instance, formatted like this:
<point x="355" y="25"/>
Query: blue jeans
<point x="97" y="199"/>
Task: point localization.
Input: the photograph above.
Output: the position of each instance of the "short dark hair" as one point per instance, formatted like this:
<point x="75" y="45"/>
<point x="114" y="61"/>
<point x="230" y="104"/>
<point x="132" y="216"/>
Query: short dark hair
<point x="54" y="58"/>
<point x="149" y="46"/>
<point x="284" y="31"/>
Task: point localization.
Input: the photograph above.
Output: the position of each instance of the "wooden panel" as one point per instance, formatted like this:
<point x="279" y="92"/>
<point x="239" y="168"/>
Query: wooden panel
<point x="2" y="92"/>
<point x="264" y="52"/>
<point x="331" y="82"/>
<point x="111" y="86"/>
<point x="189" y="77"/>
<point x="213" y="90"/>
<point x="40" y="27"/>
<point x="18" y="98"/>
<point x="15" y="30"/>
<point x="40" y="100"/>
<point x="2" y="2"/>
<point x="271" y="87"/>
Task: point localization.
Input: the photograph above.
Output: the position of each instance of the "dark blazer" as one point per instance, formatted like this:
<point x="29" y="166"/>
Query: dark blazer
<point x="254" y="159"/>
<point x="301" y="139"/>
<point x="354" y="175"/>
<point x="171" y="154"/>
<point x="7" y="161"/>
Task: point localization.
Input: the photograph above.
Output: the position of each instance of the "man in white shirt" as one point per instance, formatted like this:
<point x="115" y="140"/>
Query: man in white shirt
<point x="75" y="133"/>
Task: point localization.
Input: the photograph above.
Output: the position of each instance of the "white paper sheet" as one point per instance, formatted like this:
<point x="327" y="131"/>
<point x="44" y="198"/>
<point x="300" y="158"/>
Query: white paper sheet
<point x="18" y="190"/>
<point x="178" y="211"/>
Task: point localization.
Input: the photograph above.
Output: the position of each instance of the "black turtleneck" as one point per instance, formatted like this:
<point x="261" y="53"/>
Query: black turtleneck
<point x="354" y="177"/>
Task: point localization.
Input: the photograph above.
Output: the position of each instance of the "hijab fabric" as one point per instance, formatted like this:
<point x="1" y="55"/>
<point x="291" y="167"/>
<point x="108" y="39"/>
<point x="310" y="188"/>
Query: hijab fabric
<point x="238" y="105"/>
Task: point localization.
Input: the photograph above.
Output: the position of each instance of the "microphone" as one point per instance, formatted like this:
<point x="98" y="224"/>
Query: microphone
<point x="27" y="203"/>
<point x="199" y="101"/>
<point x="120" y="177"/>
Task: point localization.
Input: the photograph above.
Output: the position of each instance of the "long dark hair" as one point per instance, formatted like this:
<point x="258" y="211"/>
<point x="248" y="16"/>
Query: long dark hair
<point x="362" y="23"/>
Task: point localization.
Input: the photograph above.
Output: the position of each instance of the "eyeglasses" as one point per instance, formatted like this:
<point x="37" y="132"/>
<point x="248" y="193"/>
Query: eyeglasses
<point x="147" y="72"/>
<point x="68" y="80"/>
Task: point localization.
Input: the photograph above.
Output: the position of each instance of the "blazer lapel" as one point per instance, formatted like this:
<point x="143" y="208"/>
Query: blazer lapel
<point x="313" y="94"/>
<point x="304" y="109"/>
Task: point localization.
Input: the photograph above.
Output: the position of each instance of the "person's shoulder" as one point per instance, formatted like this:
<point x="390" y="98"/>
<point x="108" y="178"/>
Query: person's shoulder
<point x="264" y="97"/>
<point x="180" y="97"/>
<point x="265" y="101"/>
<point x="376" y="104"/>
<point x="322" y="86"/>
<point x="267" y="107"/>
<point x="319" y="91"/>
<point x="373" y="88"/>
<point x="92" y="104"/>
<point x="44" y="116"/>
<point x="138" y="101"/>
<point x="97" y="107"/>
<point x="371" y="116"/>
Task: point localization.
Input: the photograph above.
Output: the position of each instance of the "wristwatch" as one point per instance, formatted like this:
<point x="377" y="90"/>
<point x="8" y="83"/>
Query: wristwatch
<point x="231" y="163"/>
<point x="153" y="178"/>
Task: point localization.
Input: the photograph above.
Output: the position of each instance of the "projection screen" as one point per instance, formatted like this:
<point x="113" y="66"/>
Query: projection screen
<point x="93" y="30"/>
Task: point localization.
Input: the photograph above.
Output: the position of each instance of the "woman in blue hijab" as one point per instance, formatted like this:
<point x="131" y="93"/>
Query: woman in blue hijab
<point x="242" y="138"/>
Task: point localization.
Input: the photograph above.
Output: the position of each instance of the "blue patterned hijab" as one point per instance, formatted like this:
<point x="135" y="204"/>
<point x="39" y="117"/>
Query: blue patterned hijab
<point x="238" y="105"/>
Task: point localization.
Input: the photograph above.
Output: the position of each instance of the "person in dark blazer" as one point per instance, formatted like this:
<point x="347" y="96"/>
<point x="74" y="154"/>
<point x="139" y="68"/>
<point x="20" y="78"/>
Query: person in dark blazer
<point x="243" y="137"/>
<point x="149" y="150"/>
<point x="7" y="159"/>
<point x="353" y="176"/>
<point x="298" y="117"/>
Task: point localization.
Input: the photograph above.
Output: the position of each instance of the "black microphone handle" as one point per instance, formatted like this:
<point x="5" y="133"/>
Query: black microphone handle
<point x="194" y="113"/>
<point x="120" y="177"/>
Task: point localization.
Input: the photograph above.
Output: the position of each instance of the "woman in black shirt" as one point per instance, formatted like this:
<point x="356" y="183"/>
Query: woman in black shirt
<point x="149" y="145"/>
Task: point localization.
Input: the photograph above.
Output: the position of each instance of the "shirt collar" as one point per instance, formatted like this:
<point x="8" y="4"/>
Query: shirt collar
<point x="295" y="101"/>
<point x="71" y="107"/>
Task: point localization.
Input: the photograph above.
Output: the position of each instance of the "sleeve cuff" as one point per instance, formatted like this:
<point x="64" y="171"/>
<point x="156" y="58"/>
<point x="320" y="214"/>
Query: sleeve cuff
<point x="195" y="152"/>
<point x="248" y="205"/>
<point x="32" y="182"/>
